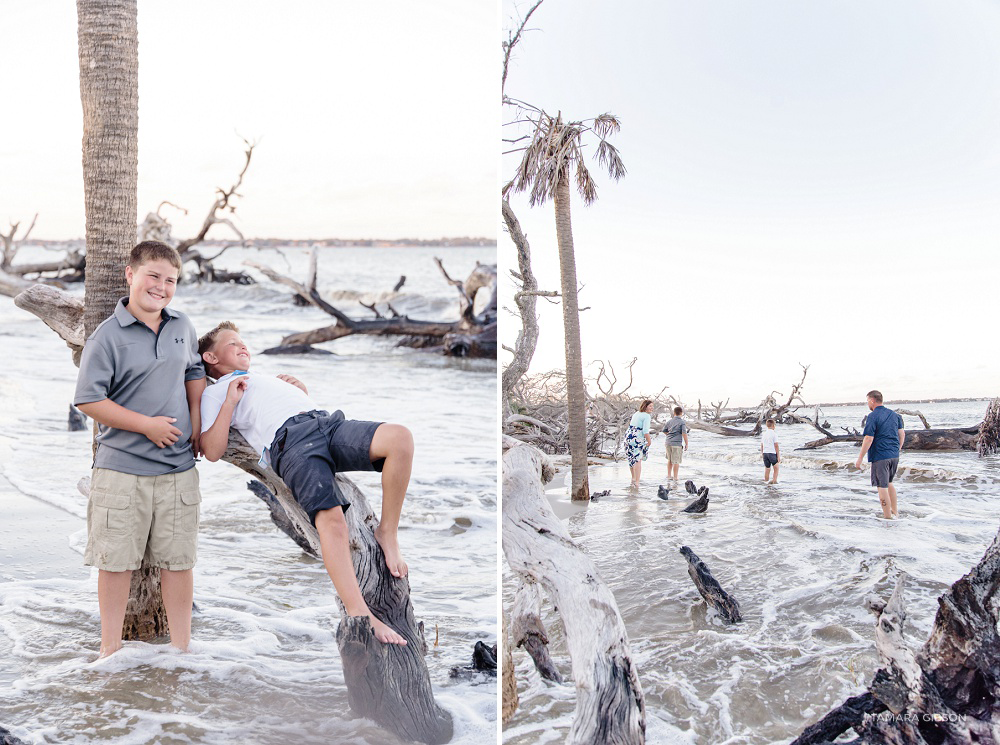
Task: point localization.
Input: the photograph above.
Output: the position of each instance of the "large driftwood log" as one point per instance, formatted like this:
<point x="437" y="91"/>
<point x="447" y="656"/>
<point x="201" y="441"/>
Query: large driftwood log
<point x="528" y="631"/>
<point x="989" y="430"/>
<point x="919" y="439"/>
<point x="385" y="682"/>
<point x="60" y="311"/>
<point x="720" y="430"/>
<point x="949" y="691"/>
<point x="472" y="335"/>
<point x="710" y="589"/>
<point x="609" y="705"/>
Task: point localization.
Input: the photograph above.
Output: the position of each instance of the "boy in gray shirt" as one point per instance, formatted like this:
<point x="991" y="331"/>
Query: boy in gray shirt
<point x="677" y="442"/>
<point x="141" y="379"/>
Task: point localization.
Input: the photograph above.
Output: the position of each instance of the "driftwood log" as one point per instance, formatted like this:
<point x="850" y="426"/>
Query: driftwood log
<point x="948" y="691"/>
<point x="470" y="336"/>
<point x="387" y="683"/>
<point x="528" y="631"/>
<point x="710" y="589"/>
<point x="6" y="738"/>
<point x="609" y="705"/>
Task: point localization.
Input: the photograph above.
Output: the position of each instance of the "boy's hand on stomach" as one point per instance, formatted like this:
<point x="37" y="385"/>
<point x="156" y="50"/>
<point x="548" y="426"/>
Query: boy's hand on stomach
<point x="294" y="381"/>
<point x="161" y="431"/>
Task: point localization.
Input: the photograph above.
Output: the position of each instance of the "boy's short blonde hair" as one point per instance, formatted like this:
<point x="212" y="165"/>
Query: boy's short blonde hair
<point x="148" y="251"/>
<point x="206" y="342"/>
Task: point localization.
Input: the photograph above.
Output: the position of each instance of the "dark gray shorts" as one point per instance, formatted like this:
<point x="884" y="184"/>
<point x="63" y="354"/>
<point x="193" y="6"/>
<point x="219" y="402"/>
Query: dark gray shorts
<point x="309" y="449"/>
<point x="884" y="471"/>
<point x="770" y="459"/>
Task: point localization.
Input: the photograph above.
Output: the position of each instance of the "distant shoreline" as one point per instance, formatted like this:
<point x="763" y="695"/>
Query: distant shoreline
<point x="459" y="242"/>
<point x="893" y="402"/>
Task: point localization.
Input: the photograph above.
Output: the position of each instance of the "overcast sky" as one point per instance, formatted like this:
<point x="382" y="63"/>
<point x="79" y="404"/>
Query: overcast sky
<point x="374" y="119"/>
<point x="807" y="182"/>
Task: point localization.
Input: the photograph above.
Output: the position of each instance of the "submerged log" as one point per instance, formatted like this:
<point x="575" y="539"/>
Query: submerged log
<point x="387" y="683"/>
<point x="528" y="631"/>
<point x="949" y="691"/>
<point x="6" y="738"/>
<point x="609" y="706"/>
<point x="848" y="715"/>
<point x="710" y="589"/>
<point x="700" y="505"/>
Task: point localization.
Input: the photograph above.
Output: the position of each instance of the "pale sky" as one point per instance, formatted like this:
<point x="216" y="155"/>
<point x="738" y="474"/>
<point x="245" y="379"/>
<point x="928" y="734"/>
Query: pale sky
<point x="374" y="119"/>
<point x="814" y="182"/>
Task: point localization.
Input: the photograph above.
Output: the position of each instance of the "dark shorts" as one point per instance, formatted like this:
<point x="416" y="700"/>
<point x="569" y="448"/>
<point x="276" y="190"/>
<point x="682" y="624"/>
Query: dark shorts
<point x="884" y="471"/>
<point x="309" y="449"/>
<point x="770" y="459"/>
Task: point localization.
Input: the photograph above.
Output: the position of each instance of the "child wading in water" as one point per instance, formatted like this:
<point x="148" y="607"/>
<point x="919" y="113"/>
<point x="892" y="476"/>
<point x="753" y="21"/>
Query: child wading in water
<point x="306" y="448"/>
<point x="771" y="451"/>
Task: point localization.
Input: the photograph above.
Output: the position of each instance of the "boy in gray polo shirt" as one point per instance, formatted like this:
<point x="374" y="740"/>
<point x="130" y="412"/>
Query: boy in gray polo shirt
<point x="677" y="442"/>
<point x="141" y="379"/>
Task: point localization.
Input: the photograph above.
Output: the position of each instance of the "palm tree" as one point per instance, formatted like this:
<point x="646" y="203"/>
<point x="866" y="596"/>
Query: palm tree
<point x="108" y="37"/>
<point x="552" y="159"/>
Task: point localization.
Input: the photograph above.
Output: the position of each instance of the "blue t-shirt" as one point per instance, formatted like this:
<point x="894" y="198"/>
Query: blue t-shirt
<point x="883" y="424"/>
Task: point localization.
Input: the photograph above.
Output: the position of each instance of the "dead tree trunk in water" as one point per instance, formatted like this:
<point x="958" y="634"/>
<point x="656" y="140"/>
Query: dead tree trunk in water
<point x="949" y="691"/>
<point x="609" y="705"/>
<point x="710" y="589"/>
<point x="387" y="683"/>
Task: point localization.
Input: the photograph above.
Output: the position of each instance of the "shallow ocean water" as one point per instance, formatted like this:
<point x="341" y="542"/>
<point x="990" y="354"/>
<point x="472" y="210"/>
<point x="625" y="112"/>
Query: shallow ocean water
<point x="264" y="666"/>
<point x="799" y="556"/>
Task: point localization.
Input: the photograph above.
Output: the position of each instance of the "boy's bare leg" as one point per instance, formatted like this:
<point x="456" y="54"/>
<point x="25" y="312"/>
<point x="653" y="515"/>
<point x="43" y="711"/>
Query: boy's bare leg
<point x="892" y="500"/>
<point x="178" y="594"/>
<point x="775" y="481"/>
<point x="394" y="443"/>
<point x="883" y="497"/>
<point x="112" y="599"/>
<point x="767" y="474"/>
<point x="333" y="540"/>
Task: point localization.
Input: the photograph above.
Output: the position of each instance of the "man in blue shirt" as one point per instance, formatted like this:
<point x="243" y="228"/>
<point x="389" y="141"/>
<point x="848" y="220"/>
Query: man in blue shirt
<point x="883" y="438"/>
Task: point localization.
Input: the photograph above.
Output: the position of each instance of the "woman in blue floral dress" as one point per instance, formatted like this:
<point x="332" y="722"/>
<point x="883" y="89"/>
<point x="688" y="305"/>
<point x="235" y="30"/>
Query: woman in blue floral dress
<point x="637" y="440"/>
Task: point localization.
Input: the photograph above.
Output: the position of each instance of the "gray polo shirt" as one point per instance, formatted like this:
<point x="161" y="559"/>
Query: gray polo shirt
<point x="674" y="430"/>
<point x="124" y="360"/>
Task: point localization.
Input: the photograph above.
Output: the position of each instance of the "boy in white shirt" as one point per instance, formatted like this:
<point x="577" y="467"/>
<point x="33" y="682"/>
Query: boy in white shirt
<point x="306" y="448"/>
<point x="770" y="449"/>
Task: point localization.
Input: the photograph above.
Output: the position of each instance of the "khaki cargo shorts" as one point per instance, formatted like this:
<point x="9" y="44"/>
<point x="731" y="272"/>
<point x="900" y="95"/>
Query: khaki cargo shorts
<point x="133" y="517"/>
<point x="675" y="453"/>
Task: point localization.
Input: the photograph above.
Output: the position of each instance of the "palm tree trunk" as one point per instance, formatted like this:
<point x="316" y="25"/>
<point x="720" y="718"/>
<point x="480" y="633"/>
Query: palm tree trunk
<point x="576" y="394"/>
<point x="109" y="90"/>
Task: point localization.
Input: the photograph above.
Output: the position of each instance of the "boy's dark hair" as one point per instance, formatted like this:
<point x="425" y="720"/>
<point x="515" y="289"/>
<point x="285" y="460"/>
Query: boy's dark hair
<point x="678" y="411"/>
<point x="205" y="343"/>
<point x="769" y="422"/>
<point x="875" y="396"/>
<point x="153" y="251"/>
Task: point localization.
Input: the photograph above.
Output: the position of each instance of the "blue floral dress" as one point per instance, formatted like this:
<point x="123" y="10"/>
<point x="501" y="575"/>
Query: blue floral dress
<point x="636" y="448"/>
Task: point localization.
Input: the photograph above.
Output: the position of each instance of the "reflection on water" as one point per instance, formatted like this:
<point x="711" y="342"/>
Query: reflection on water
<point x="799" y="556"/>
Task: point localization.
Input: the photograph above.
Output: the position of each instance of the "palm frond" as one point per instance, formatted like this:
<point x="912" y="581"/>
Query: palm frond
<point x="607" y="155"/>
<point x="606" y="125"/>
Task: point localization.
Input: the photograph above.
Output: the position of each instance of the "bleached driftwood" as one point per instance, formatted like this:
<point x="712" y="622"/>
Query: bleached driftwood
<point x="528" y="631"/>
<point x="710" y="589"/>
<point x="11" y="285"/>
<point x="949" y="691"/>
<point x="61" y="312"/>
<point x="609" y="706"/>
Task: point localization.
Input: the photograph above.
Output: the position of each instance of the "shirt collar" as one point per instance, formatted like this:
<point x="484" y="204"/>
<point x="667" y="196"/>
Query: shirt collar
<point x="125" y="317"/>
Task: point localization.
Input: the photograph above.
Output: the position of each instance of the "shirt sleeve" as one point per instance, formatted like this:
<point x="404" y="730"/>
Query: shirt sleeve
<point x="645" y="424"/>
<point x="899" y="421"/>
<point x="196" y="368"/>
<point x="210" y="408"/>
<point x="870" y="426"/>
<point x="97" y="372"/>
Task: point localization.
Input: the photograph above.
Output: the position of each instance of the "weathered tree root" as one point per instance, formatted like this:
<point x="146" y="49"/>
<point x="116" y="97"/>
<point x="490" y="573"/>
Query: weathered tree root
<point x="710" y="589"/>
<point x="528" y="631"/>
<point x="949" y="691"/>
<point x="849" y="714"/>
<point x="387" y="683"/>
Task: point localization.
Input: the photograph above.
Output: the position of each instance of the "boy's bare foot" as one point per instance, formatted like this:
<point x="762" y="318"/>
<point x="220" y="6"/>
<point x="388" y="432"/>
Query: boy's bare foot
<point x="385" y="634"/>
<point x="393" y="557"/>
<point x="109" y="650"/>
<point x="775" y="481"/>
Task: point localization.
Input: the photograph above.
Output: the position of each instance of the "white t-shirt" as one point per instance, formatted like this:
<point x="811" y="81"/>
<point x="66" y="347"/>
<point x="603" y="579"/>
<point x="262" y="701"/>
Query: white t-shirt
<point x="768" y="439"/>
<point x="266" y="404"/>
